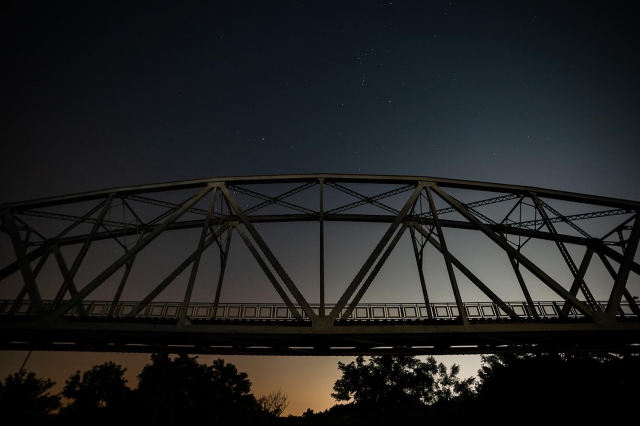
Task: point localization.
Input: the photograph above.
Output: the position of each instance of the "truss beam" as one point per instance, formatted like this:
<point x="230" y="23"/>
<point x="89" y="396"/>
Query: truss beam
<point x="311" y="326"/>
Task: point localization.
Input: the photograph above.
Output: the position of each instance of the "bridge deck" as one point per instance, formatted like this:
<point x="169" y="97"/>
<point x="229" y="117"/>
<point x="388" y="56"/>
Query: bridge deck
<point x="270" y="329"/>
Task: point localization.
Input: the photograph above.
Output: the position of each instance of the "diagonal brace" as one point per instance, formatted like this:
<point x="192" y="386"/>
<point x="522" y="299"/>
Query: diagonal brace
<point x="584" y="265"/>
<point x="533" y="268"/>
<point x="614" y="275"/>
<point x="374" y="273"/>
<point x="474" y="279"/>
<point x="623" y="272"/>
<point x="268" y="273"/>
<point x="170" y="278"/>
<point x="447" y="259"/>
<point x="374" y="255"/>
<point x="23" y="261"/>
<point x="269" y="255"/>
<point x="565" y="255"/>
<point x="141" y="244"/>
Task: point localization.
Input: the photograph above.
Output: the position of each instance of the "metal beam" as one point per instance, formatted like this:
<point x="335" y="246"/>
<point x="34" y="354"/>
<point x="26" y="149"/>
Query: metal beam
<point x="321" y="220"/>
<point x="196" y="261"/>
<point x="86" y="218"/>
<point x="341" y="178"/>
<point x="142" y="243"/>
<point x="523" y="285"/>
<point x="565" y="219"/>
<point x="447" y="259"/>
<point x="363" y="199"/>
<point x="566" y="256"/>
<point x="374" y="255"/>
<point x="419" y="254"/>
<point x="534" y="269"/>
<point x="366" y="200"/>
<point x="23" y="261"/>
<point x="269" y="255"/>
<point x="168" y="280"/>
<point x="274" y="200"/>
<point x="470" y="275"/>
<point x="619" y="227"/>
<point x="224" y="256"/>
<point x="584" y="265"/>
<point x="23" y="292"/>
<point x="632" y="303"/>
<point x="123" y="282"/>
<point x="268" y="273"/>
<point x="374" y="272"/>
<point x="362" y="218"/>
<point x="68" y="278"/>
<point x="623" y="272"/>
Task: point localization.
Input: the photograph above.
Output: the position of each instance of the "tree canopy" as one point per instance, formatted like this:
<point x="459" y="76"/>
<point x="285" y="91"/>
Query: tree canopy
<point x="102" y="386"/>
<point x="565" y="386"/>
<point x="182" y="388"/>
<point x="274" y="402"/>
<point x="389" y="380"/>
<point x="24" y="396"/>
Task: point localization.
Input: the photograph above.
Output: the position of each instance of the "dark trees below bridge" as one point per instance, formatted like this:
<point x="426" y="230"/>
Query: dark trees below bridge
<point x="523" y="388"/>
<point x="520" y="388"/>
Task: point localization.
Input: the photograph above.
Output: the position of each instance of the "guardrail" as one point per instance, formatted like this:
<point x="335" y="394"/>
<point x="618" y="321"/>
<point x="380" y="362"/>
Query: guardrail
<point x="278" y="311"/>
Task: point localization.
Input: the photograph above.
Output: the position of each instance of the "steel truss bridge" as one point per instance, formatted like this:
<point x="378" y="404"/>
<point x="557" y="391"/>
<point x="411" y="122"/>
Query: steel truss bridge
<point x="46" y="304"/>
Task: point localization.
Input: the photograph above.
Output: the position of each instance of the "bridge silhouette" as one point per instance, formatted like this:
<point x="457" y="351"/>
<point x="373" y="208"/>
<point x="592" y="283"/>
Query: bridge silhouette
<point x="531" y="296"/>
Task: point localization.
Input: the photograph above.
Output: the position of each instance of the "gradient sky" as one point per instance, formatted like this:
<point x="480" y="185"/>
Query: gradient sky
<point x="104" y="94"/>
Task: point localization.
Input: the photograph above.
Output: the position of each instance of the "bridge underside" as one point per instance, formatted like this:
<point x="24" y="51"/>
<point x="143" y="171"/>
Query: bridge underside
<point x="371" y="337"/>
<point x="437" y="243"/>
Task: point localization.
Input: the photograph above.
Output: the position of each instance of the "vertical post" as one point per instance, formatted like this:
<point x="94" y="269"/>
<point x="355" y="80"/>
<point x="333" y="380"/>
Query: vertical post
<point x="419" y="262"/>
<point x="623" y="273"/>
<point x="23" y="261"/>
<point x="501" y="242"/>
<point x="224" y="255"/>
<point x="374" y="272"/>
<point x="632" y="303"/>
<point x="584" y="265"/>
<point x="16" y="303"/>
<point x="196" y="261"/>
<point x="516" y="268"/>
<point x="68" y="284"/>
<point x="322" y="313"/>
<point x="565" y="254"/>
<point x="123" y="281"/>
<point x="268" y="254"/>
<point x="141" y="244"/>
<point x="68" y="281"/>
<point x="447" y="260"/>
<point x="375" y="253"/>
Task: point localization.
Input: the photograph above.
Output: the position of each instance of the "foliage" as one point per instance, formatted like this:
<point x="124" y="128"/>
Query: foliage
<point x="181" y="389"/>
<point x="24" y="396"/>
<point x="567" y="384"/>
<point x="398" y="381"/>
<point x="103" y="386"/>
<point x="274" y="402"/>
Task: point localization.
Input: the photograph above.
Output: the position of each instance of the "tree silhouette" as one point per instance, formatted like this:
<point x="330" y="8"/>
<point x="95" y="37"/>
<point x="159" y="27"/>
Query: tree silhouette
<point x="274" y="402"/>
<point x="174" y="391"/>
<point x="23" y="396"/>
<point x="568" y="387"/>
<point x="99" y="395"/>
<point x="393" y="381"/>
<point x="103" y="386"/>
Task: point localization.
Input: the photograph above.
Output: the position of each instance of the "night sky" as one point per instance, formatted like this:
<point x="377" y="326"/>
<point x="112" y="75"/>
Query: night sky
<point x="105" y="94"/>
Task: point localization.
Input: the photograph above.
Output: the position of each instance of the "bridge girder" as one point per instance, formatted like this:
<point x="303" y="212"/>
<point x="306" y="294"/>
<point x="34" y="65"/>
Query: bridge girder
<point x="134" y="217"/>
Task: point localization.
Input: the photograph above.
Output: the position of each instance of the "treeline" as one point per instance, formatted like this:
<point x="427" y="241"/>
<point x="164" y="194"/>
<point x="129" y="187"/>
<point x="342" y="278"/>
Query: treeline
<point x="170" y="391"/>
<point x="520" y="388"/>
<point x="524" y="389"/>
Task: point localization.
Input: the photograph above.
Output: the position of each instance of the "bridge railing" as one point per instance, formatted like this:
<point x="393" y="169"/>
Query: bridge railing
<point x="280" y="312"/>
